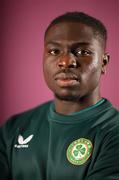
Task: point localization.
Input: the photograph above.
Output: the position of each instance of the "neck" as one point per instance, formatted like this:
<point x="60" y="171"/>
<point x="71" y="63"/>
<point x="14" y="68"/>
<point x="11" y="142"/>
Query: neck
<point x="68" y="107"/>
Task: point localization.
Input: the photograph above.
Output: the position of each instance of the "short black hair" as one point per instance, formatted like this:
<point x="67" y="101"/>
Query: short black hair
<point x="81" y="17"/>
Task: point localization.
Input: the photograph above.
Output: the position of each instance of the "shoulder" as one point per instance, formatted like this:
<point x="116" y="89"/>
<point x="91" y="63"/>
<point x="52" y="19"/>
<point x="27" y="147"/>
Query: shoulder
<point x="113" y="115"/>
<point x="110" y="125"/>
<point x="25" y="118"/>
<point x="111" y="119"/>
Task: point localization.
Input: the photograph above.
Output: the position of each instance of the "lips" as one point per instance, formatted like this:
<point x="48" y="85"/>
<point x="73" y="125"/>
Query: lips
<point x="66" y="80"/>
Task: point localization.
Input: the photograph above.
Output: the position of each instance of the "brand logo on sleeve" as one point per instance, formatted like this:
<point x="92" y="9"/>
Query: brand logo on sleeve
<point x="79" y="151"/>
<point x="23" y="143"/>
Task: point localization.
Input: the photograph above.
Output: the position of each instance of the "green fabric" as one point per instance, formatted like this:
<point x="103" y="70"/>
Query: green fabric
<point x="36" y="145"/>
<point x="90" y="107"/>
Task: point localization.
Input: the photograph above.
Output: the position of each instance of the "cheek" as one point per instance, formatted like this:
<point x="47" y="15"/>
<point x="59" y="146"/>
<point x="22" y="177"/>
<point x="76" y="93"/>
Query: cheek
<point x="48" y="71"/>
<point x="94" y="69"/>
<point x="48" y="63"/>
<point x="94" y="65"/>
<point x="92" y="73"/>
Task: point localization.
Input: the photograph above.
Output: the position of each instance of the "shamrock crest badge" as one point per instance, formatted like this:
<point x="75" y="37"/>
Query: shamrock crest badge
<point x="79" y="151"/>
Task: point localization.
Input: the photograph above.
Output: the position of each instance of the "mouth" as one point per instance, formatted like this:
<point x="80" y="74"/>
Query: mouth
<point x="67" y="80"/>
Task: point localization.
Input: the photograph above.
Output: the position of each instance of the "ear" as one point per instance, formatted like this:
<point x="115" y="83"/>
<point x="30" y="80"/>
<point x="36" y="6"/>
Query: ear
<point x="105" y="61"/>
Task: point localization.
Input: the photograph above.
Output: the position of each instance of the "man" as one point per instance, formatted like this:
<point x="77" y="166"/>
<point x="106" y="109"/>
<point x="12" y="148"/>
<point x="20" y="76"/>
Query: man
<point x="77" y="135"/>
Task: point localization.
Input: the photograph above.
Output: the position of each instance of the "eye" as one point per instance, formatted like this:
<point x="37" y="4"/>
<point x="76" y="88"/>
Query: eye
<point x="54" y="52"/>
<point x="83" y="52"/>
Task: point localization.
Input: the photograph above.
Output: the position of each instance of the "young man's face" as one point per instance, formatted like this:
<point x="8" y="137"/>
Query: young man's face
<point x="73" y="60"/>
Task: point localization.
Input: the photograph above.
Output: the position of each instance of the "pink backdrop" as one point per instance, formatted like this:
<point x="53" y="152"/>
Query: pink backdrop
<point x="23" y="24"/>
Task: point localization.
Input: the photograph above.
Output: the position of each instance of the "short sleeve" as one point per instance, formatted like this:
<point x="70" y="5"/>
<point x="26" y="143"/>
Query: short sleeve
<point x="106" y="166"/>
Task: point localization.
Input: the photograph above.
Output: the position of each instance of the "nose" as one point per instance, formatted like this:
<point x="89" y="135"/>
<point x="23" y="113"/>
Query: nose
<point x="67" y="61"/>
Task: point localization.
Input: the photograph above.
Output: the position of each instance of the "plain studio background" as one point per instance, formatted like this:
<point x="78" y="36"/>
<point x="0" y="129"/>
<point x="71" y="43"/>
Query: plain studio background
<point x="22" y="27"/>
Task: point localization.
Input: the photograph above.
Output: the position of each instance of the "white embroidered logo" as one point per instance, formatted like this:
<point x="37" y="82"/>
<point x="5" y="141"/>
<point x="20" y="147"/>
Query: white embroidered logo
<point x="23" y="143"/>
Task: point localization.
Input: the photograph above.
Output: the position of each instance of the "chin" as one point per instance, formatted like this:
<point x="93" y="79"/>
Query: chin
<point x="67" y="98"/>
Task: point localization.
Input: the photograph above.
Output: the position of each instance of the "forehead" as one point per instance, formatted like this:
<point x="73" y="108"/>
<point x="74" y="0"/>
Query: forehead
<point x="70" y="31"/>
